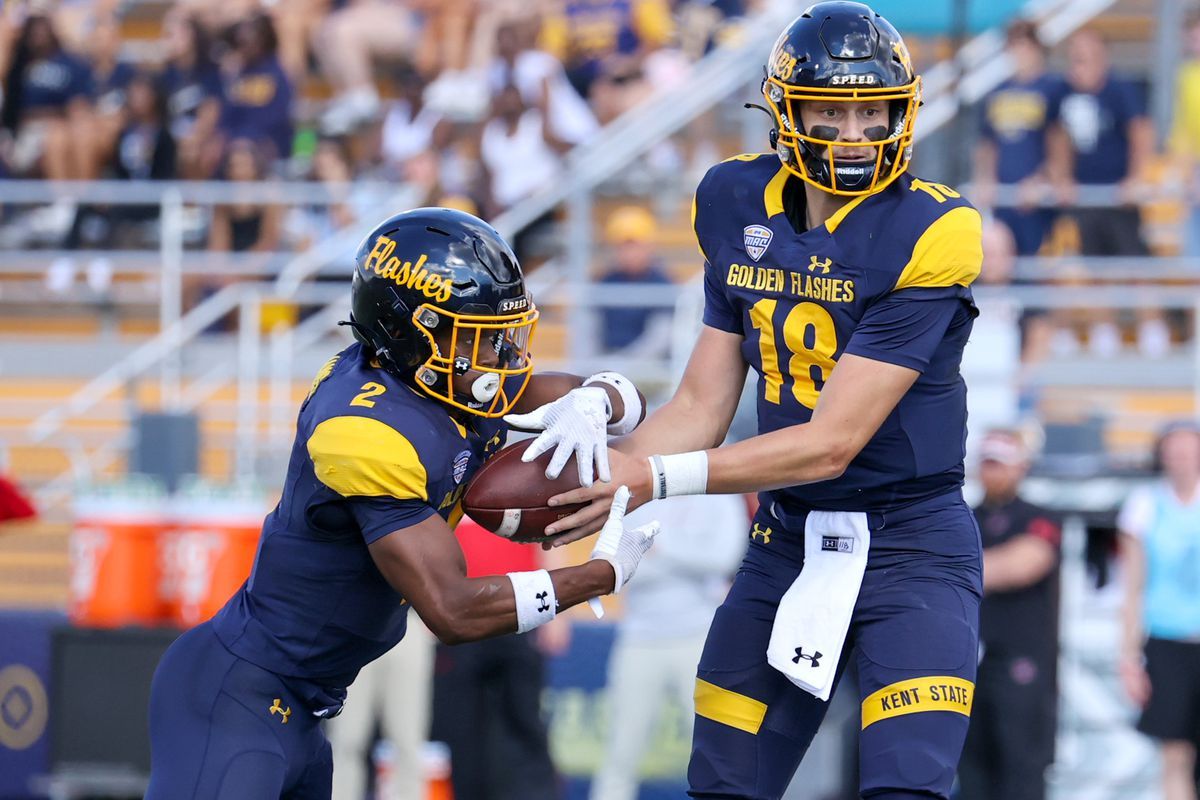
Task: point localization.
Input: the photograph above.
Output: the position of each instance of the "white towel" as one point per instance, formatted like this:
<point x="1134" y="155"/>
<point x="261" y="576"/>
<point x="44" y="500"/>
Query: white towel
<point x="814" y="614"/>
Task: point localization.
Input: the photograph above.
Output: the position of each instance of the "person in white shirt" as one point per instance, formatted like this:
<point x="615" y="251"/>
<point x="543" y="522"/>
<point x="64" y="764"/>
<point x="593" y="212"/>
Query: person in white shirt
<point x="519" y="152"/>
<point x="665" y="622"/>
<point x="543" y="83"/>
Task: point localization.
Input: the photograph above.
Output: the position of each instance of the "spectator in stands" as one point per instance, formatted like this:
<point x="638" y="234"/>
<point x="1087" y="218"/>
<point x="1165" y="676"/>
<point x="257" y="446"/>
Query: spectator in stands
<point x="394" y="693"/>
<point x="412" y="130"/>
<point x="1160" y="657"/>
<point x="1013" y="131"/>
<point x="487" y="694"/>
<point x="350" y="38"/>
<point x="1185" y="134"/>
<point x="143" y="150"/>
<point x="258" y="93"/>
<point x="519" y="152"/>
<point x="542" y="81"/>
<point x="48" y="108"/>
<point x="297" y="23"/>
<point x="193" y="88"/>
<point x="245" y="227"/>
<point x="1010" y="744"/>
<point x="634" y="330"/>
<point x="663" y="628"/>
<point x="1104" y="138"/>
<point x="110" y="77"/>
<point x="603" y="44"/>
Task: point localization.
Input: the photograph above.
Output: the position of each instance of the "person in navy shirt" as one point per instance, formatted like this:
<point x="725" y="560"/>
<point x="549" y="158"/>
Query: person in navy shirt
<point x="258" y="95"/>
<point x="844" y="282"/>
<point x="1014" y="125"/>
<point x="47" y="106"/>
<point x="192" y="85"/>
<point x="110" y="77"/>
<point x="1103" y="137"/>
<point x="387" y="440"/>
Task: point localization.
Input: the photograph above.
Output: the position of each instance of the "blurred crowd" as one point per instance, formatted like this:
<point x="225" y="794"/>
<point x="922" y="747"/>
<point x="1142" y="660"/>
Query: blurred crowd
<point x="472" y="102"/>
<point x="1043" y="135"/>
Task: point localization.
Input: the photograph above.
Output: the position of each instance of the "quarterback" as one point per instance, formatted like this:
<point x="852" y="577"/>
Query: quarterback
<point x="390" y="434"/>
<point x="844" y="282"/>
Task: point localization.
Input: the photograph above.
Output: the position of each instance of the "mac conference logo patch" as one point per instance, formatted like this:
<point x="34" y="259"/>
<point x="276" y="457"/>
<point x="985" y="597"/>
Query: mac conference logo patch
<point x="757" y="239"/>
<point x="460" y="465"/>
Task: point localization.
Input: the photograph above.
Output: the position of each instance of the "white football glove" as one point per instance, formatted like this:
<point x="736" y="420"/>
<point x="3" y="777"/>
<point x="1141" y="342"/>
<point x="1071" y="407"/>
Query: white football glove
<point x="623" y="548"/>
<point x="575" y="423"/>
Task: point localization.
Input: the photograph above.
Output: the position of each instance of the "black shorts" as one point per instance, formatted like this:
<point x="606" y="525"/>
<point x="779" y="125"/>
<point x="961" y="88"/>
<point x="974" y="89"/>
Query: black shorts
<point x="1174" y="708"/>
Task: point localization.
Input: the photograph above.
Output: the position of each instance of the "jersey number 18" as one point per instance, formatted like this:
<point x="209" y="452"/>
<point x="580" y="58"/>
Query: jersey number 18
<point x="811" y="336"/>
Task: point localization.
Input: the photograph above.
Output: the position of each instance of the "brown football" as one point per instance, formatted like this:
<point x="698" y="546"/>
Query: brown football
<point x="508" y="496"/>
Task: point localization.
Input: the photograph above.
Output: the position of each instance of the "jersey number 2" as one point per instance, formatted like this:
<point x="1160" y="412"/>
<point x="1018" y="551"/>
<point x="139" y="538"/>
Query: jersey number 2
<point x="811" y="336"/>
<point x="369" y="389"/>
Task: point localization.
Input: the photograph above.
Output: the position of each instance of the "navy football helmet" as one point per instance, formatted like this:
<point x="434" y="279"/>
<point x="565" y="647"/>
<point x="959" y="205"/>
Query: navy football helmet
<point x="438" y="294"/>
<point x="842" y="52"/>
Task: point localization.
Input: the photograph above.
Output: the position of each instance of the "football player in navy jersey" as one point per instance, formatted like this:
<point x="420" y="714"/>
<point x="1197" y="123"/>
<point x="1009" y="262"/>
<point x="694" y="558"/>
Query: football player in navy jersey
<point x="844" y="282"/>
<point x="386" y="442"/>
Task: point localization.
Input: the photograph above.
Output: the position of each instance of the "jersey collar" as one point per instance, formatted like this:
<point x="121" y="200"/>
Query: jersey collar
<point x="773" y="200"/>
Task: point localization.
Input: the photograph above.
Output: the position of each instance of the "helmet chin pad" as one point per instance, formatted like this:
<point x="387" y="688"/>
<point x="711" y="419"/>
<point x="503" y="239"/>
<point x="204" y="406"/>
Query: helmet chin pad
<point x="849" y="174"/>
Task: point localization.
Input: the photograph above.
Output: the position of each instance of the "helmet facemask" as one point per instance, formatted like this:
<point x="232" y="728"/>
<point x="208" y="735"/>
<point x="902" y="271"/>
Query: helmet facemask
<point x="809" y="155"/>
<point x="473" y="358"/>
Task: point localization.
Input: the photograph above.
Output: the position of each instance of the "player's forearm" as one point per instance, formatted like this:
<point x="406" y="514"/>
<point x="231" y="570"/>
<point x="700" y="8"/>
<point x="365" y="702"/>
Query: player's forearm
<point x="800" y="454"/>
<point x="482" y="608"/>
<point x="1017" y="564"/>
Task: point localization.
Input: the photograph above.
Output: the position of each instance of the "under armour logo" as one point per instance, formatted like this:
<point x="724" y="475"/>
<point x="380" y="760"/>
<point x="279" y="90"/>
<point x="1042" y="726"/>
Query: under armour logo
<point x="760" y="534"/>
<point x="543" y="606"/>
<point x="277" y="708"/>
<point x="814" y="658"/>
<point x="814" y="265"/>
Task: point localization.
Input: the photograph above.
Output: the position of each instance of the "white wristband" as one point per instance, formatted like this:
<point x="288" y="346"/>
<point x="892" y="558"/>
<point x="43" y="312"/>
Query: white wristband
<point x="629" y="398"/>
<point x="536" y="603"/>
<point x="684" y="473"/>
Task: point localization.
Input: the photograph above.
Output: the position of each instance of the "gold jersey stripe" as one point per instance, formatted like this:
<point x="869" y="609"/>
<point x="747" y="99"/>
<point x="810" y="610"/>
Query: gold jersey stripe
<point x="949" y="252"/>
<point x="363" y="457"/>
<point x="932" y="693"/>
<point x="836" y="217"/>
<point x="773" y="194"/>
<point x="729" y="708"/>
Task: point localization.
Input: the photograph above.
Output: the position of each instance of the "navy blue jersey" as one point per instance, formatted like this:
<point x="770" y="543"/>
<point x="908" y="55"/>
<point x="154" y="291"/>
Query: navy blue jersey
<point x="1016" y="116"/>
<point x="1097" y="124"/>
<point x="887" y="278"/>
<point x="371" y="457"/>
<point x="258" y="106"/>
<point x="52" y="83"/>
<point x="187" y="91"/>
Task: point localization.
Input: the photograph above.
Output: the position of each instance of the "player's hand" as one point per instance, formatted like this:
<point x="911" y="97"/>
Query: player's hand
<point x="1134" y="679"/>
<point x="575" y="423"/>
<point x="630" y="471"/>
<point x="620" y="547"/>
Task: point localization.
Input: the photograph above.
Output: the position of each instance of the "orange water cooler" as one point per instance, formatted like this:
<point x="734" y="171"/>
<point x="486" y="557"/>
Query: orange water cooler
<point x="114" y="565"/>
<point x="209" y="551"/>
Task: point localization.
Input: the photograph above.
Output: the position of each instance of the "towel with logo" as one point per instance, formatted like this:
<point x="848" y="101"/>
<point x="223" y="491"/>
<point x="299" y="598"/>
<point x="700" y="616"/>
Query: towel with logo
<point x="814" y="614"/>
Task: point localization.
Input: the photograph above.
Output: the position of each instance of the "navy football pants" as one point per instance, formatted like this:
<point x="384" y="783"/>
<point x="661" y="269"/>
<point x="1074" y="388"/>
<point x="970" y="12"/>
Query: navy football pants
<point x="913" y="640"/>
<point x="224" y="729"/>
